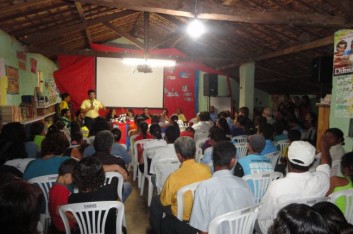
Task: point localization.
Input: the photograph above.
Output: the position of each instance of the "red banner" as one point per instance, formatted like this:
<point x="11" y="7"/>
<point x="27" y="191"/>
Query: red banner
<point x="179" y="90"/>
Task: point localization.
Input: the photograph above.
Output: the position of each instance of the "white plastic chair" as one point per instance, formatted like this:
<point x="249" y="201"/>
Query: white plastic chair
<point x="336" y="168"/>
<point x="180" y="198"/>
<point x="240" y="139"/>
<point x="281" y="145"/>
<point x="145" y="175"/>
<point x="242" y="149"/>
<point x="199" y="144"/>
<point x="108" y="179"/>
<point x="45" y="183"/>
<point x="135" y="162"/>
<point x="239" y="221"/>
<point x="348" y="196"/>
<point x="92" y="216"/>
<point x="259" y="182"/>
<point x="273" y="157"/>
<point x="310" y="201"/>
<point x="200" y="135"/>
<point x="163" y="168"/>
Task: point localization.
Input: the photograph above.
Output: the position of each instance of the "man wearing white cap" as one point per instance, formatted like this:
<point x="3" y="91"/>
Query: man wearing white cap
<point x="299" y="182"/>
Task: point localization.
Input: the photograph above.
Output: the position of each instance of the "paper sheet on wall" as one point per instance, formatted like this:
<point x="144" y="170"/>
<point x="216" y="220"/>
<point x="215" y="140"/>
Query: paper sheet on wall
<point x="3" y="90"/>
<point x="344" y="96"/>
<point x="2" y="67"/>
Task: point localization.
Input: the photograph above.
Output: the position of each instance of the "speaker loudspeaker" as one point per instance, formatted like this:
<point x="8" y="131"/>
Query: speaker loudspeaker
<point x="322" y="69"/>
<point x="210" y="85"/>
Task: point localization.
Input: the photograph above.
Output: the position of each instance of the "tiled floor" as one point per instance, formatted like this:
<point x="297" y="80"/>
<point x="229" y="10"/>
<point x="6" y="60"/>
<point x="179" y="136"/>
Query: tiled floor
<point x="136" y="211"/>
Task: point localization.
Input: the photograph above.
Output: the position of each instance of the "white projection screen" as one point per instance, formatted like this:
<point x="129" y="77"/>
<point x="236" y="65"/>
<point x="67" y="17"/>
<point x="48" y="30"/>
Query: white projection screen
<point x="120" y="85"/>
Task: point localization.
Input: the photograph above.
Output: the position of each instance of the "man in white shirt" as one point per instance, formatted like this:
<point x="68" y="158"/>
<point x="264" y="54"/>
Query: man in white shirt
<point x="299" y="182"/>
<point x="202" y="125"/>
<point x="222" y="193"/>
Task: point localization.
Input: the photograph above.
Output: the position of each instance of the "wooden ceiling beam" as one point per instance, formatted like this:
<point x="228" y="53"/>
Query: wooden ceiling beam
<point x="347" y="7"/>
<point x="46" y="36"/>
<point x="21" y="6"/>
<point x="212" y="11"/>
<point x="81" y="13"/>
<point x="290" y="50"/>
<point x="124" y="34"/>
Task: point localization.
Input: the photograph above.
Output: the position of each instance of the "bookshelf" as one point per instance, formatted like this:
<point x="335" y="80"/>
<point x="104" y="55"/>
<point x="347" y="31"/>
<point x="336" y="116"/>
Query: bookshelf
<point x="40" y="113"/>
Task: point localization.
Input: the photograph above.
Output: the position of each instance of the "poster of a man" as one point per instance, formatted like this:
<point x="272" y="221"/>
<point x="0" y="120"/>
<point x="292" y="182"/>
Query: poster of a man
<point x="343" y="55"/>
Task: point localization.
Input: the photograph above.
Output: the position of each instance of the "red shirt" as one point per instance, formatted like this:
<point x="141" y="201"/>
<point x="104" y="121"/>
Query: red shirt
<point x="58" y="196"/>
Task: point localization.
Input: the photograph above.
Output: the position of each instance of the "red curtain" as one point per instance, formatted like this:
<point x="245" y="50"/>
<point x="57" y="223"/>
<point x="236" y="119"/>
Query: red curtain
<point x="75" y="76"/>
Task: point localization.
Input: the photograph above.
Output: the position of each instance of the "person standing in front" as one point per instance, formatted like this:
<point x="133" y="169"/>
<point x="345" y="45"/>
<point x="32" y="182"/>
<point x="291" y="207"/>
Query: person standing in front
<point x="91" y="107"/>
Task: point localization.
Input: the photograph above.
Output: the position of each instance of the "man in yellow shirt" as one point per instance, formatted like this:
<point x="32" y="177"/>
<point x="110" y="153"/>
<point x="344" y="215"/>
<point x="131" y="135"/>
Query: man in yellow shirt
<point x="91" y="107"/>
<point x="189" y="172"/>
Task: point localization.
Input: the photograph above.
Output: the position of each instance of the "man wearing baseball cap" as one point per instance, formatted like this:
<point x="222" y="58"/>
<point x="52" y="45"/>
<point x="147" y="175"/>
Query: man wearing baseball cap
<point x="299" y="182"/>
<point x="254" y="162"/>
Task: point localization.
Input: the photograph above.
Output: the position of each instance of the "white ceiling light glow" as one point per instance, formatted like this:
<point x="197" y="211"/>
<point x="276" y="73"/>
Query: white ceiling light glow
<point x="149" y="62"/>
<point x="196" y="28"/>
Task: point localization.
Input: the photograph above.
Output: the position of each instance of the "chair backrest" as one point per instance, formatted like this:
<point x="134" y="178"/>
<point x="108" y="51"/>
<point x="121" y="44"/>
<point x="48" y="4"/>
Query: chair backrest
<point x="91" y="217"/>
<point x="348" y="197"/>
<point x="108" y="179"/>
<point x="242" y="149"/>
<point x="273" y="157"/>
<point x="281" y="145"/>
<point x="199" y="144"/>
<point x="239" y="221"/>
<point x="45" y="183"/>
<point x="200" y="135"/>
<point x="336" y="168"/>
<point x="135" y="151"/>
<point x="310" y="201"/>
<point x="240" y="139"/>
<point x="259" y="182"/>
<point x="163" y="168"/>
<point x="180" y="197"/>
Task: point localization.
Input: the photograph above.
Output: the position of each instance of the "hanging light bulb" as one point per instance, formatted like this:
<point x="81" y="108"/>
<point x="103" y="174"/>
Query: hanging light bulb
<point x="196" y="28"/>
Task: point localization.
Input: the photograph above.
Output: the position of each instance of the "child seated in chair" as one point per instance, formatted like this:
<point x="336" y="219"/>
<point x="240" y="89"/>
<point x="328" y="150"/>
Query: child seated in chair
<point x="59" y="194"/>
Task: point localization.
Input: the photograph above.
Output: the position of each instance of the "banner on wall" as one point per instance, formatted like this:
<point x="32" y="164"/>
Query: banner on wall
<point x="179" y="90"/>
<point x="342" y="71"/>
<point x="12" y="76"/>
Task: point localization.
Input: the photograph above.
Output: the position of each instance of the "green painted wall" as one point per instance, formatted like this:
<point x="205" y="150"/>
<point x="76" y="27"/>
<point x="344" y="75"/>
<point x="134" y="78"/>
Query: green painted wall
<point x="27" y="80"/>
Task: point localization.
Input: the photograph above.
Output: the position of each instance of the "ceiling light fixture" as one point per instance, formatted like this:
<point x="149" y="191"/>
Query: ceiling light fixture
<point x="149" y="62"/>
<point x="196" y="28"/>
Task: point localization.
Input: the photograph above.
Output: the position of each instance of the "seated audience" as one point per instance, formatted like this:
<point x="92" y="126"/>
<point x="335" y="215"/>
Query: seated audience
<point x="216" y="135"/>
<point x="12" y="142"/>
<point x="222" y="193"/>
<point x="310" y="127"/>
<point x="20" y="204"/>
<point x="335" y="140"/>
<point x="266" y="130"/>
<point x="143" y="132"/>
<point x="239" y="127"/>
<point x="278" y="130"/>
<point x="53" y="148"/>
<point x="298" y="218"/>
<point x="77" y="147"/>
<point x="189" y="131"/>
<point x="180" y="115"/>
<point x="111" y="115"/>
<point x="254" y="162"/>
<point x="188" y="173"/>
<point x="222" y="123"/>
<point x="334" y="217"/>
<point x="37" y="132"/>
<point x="202" y="125"/>
<point x="89" y="177"/>
<point x="103" y="144"/>
<point x="157" y="140"/>
<point x="66" y="117"/>
<point x="244" y="111"/>
<point x="267" y="113"/>
<point x="299" y="182"/>
<point x="59" y="194"/>
<point x="338" y="183"/>
<point x="213" y="114"/>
